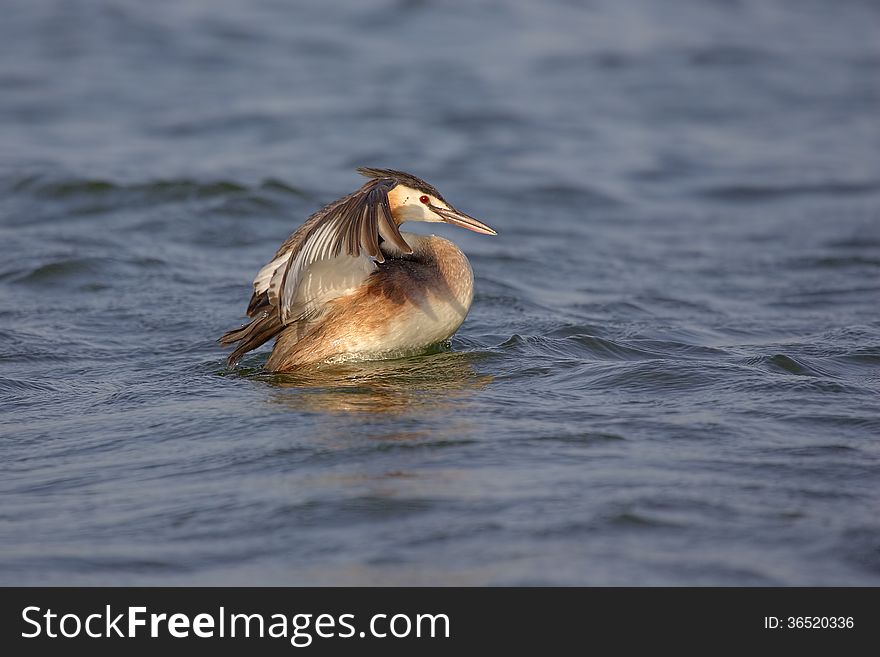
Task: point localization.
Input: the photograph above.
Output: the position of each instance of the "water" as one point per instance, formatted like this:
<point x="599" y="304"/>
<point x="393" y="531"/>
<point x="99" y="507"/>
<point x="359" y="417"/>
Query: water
<point x="670" y="371"/>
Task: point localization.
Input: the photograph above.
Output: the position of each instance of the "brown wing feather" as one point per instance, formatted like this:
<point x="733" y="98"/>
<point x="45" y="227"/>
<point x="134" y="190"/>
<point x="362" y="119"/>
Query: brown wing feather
<point x="260" y="330"/>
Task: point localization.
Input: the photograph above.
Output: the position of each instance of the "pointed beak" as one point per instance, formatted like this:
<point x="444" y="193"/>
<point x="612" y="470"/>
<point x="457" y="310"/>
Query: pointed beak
<point x="457" y="218"/>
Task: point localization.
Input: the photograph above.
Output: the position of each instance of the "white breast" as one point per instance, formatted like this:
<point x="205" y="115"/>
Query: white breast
<point x="433" y="312"/>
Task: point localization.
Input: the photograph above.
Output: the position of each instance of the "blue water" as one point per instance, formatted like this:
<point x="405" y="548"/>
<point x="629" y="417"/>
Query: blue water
<point x="671" y="370"/>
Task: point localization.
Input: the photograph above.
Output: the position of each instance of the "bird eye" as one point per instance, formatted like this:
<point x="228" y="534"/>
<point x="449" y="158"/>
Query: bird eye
<point x="424" y="199"/>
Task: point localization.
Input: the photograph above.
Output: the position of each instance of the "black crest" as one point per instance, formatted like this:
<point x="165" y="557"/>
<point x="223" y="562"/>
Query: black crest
<point x="402" y="177"/>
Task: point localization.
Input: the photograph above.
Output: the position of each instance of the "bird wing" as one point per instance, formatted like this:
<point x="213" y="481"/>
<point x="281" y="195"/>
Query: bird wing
<point x="333" y="252"/>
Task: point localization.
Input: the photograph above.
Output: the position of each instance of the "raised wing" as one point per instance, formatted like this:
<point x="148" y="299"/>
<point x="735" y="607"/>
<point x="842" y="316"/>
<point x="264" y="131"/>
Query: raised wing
<point x="337" y="250"/>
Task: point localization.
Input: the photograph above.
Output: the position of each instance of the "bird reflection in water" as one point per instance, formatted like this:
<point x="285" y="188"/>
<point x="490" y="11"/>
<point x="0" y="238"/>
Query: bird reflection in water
<point x="428" y="385"/>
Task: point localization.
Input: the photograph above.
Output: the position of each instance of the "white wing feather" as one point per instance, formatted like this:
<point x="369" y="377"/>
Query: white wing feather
<point x="329" y="279"/>
<point x="261" y="282"/>
<point x="315" y="276"/>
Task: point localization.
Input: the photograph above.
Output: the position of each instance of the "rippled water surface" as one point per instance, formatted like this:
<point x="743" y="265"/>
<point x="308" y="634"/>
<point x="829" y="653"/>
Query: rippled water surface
<point x="671" y="369"/>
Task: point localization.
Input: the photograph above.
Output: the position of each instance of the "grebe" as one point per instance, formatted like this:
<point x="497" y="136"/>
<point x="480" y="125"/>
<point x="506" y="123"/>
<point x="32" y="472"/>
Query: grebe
<point x="348" y="285"/>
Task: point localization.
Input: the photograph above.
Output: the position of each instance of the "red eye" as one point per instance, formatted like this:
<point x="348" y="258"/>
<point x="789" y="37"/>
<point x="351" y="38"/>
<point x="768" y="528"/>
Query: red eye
<point x="424" y="199"/>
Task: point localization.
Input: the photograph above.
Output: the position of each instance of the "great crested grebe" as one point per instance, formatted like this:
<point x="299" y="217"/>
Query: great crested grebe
<point x="348" y="285"/>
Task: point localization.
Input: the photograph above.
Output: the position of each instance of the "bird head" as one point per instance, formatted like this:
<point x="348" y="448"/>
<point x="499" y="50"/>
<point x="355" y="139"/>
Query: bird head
<point x="413" y="199"/>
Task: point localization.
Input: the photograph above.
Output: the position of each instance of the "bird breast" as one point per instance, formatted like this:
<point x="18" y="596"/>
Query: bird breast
<point x="425" y="296"/>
